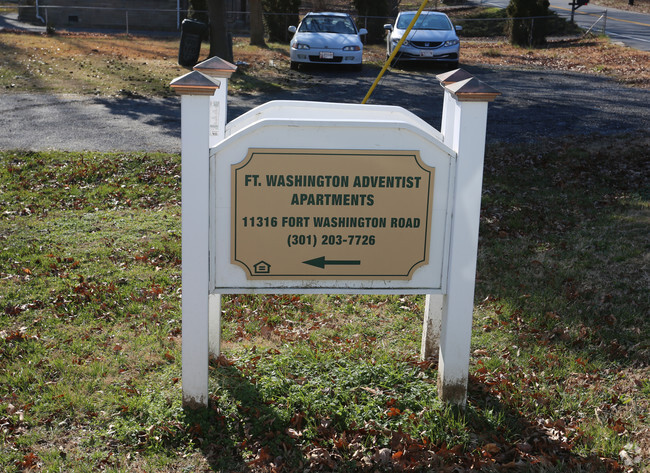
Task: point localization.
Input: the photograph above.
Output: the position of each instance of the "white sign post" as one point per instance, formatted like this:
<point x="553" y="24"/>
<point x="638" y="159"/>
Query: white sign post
<point x="196" y="90"/>
<point x="312" y="197"/>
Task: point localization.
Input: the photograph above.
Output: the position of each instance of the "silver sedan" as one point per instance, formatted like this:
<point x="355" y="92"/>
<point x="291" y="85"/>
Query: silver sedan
<point x="432" y="38"/>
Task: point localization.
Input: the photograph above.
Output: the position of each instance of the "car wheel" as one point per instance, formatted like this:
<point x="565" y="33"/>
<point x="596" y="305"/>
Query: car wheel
<point x="294" y="66"/>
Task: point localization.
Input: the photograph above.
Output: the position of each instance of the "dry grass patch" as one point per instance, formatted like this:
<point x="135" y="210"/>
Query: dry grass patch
<point x="88" y="63"/>
<point x="588" y="55"/>
<point x="130" y="65"/>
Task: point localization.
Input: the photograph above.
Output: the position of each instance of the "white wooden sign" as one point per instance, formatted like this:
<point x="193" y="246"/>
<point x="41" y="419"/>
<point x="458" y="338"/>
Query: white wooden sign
<point x="291" y="213"/>
<point x="311" y="197"/>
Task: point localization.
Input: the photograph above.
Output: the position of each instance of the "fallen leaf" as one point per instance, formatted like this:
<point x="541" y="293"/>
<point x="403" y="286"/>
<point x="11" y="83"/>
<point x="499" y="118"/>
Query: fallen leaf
<point x="492" y="448"/>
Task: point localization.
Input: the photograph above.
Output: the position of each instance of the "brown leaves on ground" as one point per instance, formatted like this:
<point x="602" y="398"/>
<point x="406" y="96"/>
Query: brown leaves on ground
<point x="120" y="64"/>
<point x="587" y="55"/>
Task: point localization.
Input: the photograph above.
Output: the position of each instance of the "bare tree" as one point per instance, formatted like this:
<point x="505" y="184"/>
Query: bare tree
<point x="257" y="23"/>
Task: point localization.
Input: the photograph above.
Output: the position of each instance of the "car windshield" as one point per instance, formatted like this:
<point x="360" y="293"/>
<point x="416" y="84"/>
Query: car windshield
<point x="424" y="22"/>
<point x="327" y="24"/>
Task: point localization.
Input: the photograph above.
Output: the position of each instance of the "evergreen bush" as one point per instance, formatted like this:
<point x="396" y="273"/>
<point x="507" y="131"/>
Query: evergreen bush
<point x="279" y="15"/>
<point x="524" y="29"/>
<point x="381" y="10"/>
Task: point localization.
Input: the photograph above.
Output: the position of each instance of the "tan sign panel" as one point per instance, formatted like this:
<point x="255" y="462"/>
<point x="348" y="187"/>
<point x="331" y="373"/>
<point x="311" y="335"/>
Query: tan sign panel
<point x="331" y="214"/>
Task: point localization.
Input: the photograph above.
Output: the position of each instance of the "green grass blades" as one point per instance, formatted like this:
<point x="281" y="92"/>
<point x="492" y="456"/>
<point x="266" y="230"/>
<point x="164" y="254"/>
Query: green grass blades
<point x="90" y="332"/>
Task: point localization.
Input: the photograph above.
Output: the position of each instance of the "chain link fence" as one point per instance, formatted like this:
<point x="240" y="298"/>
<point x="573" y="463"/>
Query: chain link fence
<point x="128" y="20"/>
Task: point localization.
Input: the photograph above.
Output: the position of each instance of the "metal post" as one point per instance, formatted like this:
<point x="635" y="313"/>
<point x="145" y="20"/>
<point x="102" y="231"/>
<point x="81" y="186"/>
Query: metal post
<point x="127" y="21"/>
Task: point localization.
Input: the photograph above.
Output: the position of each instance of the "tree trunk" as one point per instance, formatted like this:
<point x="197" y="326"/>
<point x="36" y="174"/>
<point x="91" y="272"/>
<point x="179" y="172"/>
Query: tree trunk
<point x="220" y="44"/>
<point x="257" y="23"/>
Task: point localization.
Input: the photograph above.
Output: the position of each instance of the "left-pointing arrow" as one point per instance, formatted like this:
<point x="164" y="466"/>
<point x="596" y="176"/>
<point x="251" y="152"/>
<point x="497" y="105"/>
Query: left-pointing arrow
<point x="321" y="262"/>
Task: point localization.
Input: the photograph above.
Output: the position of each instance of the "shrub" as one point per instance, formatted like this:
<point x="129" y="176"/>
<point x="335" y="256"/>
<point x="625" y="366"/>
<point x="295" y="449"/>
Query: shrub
<point x="279" y="15"/>
<point x="379" y="11"/>
<point x="523" y="29"/>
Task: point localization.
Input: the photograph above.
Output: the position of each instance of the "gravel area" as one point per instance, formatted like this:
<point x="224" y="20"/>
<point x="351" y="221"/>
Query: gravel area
<point x="534" y="105"/>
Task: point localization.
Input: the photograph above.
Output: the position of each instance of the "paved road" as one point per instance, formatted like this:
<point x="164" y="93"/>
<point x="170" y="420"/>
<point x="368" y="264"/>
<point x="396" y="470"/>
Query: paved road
<point x="535" y="105"/>
<point x="628" y="27"/>
<point x="10" y="21"/>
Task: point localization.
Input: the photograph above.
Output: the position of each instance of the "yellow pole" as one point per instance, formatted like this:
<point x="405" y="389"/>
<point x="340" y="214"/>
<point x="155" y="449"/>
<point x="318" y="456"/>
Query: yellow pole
<point x="392" y="55"/>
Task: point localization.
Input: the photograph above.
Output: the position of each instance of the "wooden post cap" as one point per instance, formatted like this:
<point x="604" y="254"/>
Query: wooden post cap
<point x="195" y="83"/>
<point x="472" y="90"/>
<point x="456" y="75"/>
<point x="216" y="67"/>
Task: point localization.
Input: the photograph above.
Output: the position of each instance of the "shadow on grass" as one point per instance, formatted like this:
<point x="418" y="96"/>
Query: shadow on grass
<point x="246" y="82"/>
<point x="561" y="269"/>
<point x="572" y="221"/>
<point x="16" y="70"/>
<point x="241" y="431"/>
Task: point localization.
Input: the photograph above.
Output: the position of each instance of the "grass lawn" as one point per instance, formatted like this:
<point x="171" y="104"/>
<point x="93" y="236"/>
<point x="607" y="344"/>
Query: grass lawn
<point x="90" y="329"/>
<point x="90" y="338"/>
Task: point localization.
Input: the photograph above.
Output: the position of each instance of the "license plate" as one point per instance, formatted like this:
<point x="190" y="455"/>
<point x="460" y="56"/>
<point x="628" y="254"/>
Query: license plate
<point x="326" y="55"/>
<point x="426" y="53"/>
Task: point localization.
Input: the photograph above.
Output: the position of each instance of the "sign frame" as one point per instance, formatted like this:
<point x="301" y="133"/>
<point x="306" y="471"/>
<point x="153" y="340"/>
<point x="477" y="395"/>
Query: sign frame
<point x="346" y="206"/>
<point x="398" y="137"/>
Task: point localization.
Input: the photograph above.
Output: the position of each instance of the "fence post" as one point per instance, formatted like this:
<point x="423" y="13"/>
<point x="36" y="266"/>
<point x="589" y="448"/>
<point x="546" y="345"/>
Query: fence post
<point x="127" y="22"/>
<point x="605" y="23"/>
<point x="195" y="90"/>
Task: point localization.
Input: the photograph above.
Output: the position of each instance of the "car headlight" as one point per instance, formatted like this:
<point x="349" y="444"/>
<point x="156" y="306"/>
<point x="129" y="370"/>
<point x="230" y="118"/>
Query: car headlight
<point x="300" y="46"/>
<point x="452" y="42"/>
<point x="396" y="40"/>
<point x="351" y="48"/>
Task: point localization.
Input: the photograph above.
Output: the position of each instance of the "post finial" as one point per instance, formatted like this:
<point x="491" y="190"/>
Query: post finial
<point x="216" y="67"/>
<point x="472" y="90"/>
<point x="451" y="77"/>
<point x="195" y="83"/>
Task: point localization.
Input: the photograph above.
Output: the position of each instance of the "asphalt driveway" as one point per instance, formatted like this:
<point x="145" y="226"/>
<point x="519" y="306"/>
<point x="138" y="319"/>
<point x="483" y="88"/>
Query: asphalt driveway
<point x="534" y="105"/>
